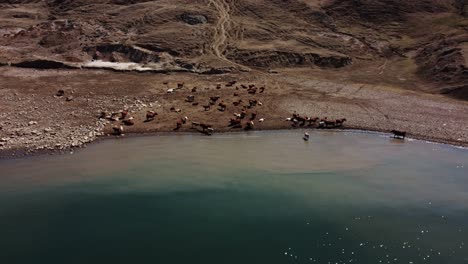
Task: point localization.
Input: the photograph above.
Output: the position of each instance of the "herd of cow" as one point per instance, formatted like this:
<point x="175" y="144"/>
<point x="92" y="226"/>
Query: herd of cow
<point x="301" y="121"/>
<point x="240" y="120"/>
<point x="243" y="120"/>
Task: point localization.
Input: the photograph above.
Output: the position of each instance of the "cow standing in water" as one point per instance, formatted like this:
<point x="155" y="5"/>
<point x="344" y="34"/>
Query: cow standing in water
<point x="399" y="134"/>
<point x="178" y="125"/>
<point x="207" y="129"/>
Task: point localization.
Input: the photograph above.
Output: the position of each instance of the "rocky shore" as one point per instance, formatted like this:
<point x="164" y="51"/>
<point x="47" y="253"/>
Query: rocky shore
<point x="36" y="118"/>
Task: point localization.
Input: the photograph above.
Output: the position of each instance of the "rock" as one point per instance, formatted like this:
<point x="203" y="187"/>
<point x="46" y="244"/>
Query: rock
<point x="60" y="93"/>
<point x="31" y="123"/>
<point x="69" y="98"/>
<point x="192" y="19"/>
<point x="4" y="139"/>
<point x="48" y="129"/>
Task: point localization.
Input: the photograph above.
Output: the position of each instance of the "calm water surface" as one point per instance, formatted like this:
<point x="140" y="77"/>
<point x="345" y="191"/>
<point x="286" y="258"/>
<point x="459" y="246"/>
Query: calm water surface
<point x="263" y="197"/>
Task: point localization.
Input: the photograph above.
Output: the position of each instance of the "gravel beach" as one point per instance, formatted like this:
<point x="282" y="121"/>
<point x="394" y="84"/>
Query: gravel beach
<point x="33" y="118"/>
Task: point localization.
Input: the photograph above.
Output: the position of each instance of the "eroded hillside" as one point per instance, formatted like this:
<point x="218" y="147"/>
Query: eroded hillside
<point x="421" y="45"/>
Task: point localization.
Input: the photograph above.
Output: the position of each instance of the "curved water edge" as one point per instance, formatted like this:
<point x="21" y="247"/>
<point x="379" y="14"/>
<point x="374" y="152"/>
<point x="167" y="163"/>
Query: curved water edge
<point x="24" y="153"/>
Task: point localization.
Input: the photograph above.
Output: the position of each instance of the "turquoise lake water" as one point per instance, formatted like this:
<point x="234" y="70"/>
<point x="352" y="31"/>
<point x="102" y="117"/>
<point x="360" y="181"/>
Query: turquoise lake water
<point x="261" y="197"/>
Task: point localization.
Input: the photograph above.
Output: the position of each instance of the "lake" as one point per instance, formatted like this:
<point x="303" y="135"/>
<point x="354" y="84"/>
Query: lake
<point x="259" y="197"/>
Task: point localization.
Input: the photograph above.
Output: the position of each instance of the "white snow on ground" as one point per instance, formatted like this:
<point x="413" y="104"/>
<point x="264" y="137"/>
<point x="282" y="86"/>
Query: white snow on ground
<point x="131" y="66"/>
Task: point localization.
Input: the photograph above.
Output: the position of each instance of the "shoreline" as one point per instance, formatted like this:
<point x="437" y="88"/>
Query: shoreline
<point x="33" y="118"/>
<point x="25" y="153"/>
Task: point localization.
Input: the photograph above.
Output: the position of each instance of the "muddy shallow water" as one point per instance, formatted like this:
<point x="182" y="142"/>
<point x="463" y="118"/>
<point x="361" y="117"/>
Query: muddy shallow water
<point x="261" y="197"/>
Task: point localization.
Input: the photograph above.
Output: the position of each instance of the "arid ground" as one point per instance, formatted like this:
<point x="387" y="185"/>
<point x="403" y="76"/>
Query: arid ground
<point x="381" y="64"/>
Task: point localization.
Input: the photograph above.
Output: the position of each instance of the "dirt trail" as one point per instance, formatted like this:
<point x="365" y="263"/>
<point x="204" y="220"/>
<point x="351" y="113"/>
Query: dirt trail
<point x="223" y="25"/>
<point x="225" y="30"/>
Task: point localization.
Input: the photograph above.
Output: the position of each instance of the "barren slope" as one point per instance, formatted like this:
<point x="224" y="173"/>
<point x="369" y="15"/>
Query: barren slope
<point x="369" y="61"/>
<point x="423" y="40"/>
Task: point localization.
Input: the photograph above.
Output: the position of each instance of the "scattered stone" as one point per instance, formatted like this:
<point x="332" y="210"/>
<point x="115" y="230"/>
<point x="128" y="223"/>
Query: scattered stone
<point x="60" y="93"/>
<point x="192" y="19"/>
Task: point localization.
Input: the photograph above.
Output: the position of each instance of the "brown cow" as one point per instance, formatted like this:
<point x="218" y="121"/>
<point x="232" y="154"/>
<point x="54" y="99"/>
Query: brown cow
<point x="249" y="125"/>
<point x="330" y="124"/>
<point x="222" y="106"/>
<point x="207" y="107"/>
<point x="252" y="103"/>
<point x="252" y="90"/>
<point x="340" y="122"/>
<point x="150" y="115"/>
<point x="178" y="125"/>
<point x="312" y="120"/>
<point x="124" y="114"/>
<point x="214" y="98"/>
<point x="117" y="130"/>
<point x="237" y="103"/>
<point x="235" y="122"/>
<point x="253" y="116"/>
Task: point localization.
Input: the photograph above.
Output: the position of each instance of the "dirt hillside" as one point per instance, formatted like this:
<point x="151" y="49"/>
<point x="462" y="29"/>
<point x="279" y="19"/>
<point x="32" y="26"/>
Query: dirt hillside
<point x="426" y="41"/>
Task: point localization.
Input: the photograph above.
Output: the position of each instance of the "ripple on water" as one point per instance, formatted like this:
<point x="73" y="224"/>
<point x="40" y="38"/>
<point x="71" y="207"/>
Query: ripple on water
<point x="340" y="198"/>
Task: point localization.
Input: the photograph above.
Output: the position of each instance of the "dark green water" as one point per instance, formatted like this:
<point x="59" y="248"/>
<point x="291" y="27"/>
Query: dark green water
<point x="265" y="197"/>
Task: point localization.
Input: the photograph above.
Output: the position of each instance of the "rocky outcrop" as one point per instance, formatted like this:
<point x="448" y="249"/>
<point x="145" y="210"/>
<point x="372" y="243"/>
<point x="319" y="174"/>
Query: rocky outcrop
<point x="192" y="19"/>
<point x="265" y="58"/>
<point x="384" y="11"/>
<point x="460" y="92"/>
<point x="122" y="53"/>
<point x="443" y="61"/>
